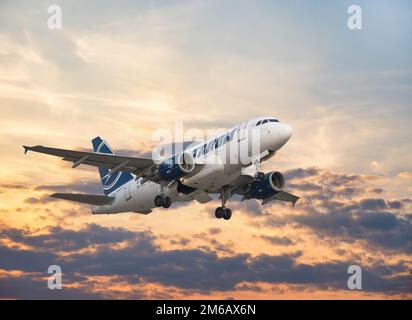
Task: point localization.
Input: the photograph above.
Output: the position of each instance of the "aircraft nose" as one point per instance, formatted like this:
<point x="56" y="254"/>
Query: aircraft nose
<point x="285" y="131"/>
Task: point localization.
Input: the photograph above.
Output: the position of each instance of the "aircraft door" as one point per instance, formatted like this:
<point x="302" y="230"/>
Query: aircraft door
<point x="241" y="131"/>
<point x="127" y="192"/>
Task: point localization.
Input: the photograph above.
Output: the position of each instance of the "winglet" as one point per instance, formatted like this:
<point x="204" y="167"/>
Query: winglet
<point x="294" y="202"/>
<point x="26" y="148"/>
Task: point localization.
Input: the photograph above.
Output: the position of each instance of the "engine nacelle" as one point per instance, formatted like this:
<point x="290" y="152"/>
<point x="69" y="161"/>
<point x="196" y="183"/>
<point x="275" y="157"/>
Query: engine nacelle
<point x="272" y="183"/>
<point x="176" y="167"/>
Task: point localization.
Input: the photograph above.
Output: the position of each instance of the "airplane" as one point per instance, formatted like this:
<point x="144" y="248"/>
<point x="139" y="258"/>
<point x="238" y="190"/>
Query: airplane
<point x="226" y="165"/>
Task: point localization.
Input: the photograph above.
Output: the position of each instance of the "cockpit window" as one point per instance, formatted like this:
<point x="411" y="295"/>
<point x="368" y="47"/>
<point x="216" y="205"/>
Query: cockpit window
<point x="260" y="122"/>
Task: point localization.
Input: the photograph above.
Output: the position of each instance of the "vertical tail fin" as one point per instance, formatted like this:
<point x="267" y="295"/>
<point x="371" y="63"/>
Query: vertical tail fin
<point x="110" y="182"/>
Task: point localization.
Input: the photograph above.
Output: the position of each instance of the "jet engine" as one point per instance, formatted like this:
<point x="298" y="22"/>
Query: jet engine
<point x="176" y="167"/>
<point x="271" y="184"/>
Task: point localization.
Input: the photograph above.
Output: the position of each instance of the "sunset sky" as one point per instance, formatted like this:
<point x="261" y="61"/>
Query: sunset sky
<point x="124" y="69"/>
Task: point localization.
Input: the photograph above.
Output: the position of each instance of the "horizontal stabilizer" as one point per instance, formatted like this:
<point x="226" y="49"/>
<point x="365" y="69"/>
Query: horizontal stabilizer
<point x="97" y="200"/>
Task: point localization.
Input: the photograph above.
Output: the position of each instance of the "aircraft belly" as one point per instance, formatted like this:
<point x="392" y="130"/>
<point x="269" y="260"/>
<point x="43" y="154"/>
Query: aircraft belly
<point x="137" y="198"/>
<point x="145" y="194"/>
<point x="213" y="177"/>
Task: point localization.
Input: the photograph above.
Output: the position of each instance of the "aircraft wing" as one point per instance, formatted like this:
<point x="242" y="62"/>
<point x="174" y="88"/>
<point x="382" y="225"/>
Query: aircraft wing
<point x="282" y="196"/>
<point x="97" y="200"/>
<point x="236" y="188"/>
<point x="110" y="161"/>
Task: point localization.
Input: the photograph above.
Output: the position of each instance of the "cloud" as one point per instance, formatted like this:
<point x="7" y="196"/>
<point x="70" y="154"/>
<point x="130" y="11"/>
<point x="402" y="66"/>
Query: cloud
<point x="337" y="206"/>
<point x="281" y="241"/>
<point x="57" y="239"/>
<point x="376" y="190"/>
<point x="372" y="204"/>
<point x="323" y="182"/>
<point x="90" y="187"/>
<point x="214" y="231"/>
<point x="300" y="173"/>
<point x="395" y="204"/>
<point x="381" y="228"/>
<point x="189" y="269"/>
<point x="305" y="186"/>
<point x="35" y="200"/>
<point x="34" y="286"/>
<point x="9" y="186"/>
<point x="29" y="261"/>
<point x="181" y="241"/>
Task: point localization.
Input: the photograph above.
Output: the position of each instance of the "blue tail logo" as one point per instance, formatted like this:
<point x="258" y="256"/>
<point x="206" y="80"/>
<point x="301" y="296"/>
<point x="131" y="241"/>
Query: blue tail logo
<point x="110" y="182"/>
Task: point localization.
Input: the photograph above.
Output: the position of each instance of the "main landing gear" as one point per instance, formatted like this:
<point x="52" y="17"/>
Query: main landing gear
<point x="259" y="175"/>
<point x="223" y="212"/>
<point x="162" y="201"/>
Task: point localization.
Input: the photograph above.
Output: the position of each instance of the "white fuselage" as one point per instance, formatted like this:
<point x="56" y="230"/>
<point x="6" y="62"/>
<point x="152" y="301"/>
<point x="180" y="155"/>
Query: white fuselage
<point x="223" y="158"/>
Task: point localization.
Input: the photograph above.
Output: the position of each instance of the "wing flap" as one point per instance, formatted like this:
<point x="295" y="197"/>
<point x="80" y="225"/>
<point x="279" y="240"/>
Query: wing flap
<point x="97" y="200"/>
<point x="282" y="196"/>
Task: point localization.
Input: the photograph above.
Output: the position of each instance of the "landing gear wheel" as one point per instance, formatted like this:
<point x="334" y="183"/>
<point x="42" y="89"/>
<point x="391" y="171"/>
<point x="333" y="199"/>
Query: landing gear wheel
<point x="227" y="214"/>
<point x="219" y="212"/>
<point x="158" y="201"/>
<point x="166" y="202"/>
<point x="260" y="175"/>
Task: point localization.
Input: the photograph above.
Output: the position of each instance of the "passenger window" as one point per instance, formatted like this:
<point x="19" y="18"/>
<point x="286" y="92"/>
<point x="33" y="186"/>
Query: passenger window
<point x="273" y="120"/>
<point x="264" y="121"/>
<point x="259" y="122"/>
